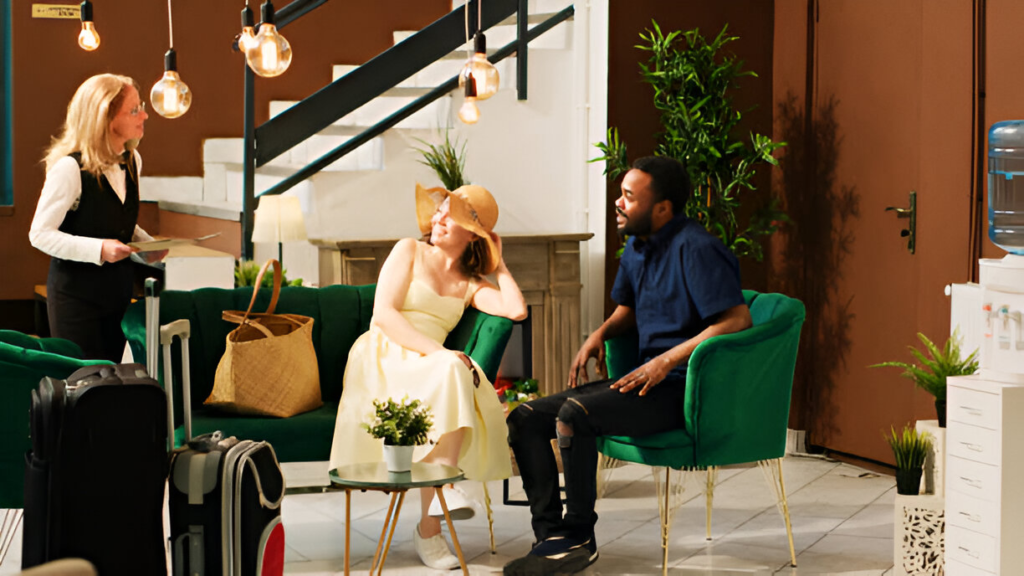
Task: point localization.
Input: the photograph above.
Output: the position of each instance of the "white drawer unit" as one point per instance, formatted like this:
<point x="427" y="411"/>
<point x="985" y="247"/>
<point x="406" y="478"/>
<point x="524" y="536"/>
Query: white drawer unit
<point x="984" y="468"/>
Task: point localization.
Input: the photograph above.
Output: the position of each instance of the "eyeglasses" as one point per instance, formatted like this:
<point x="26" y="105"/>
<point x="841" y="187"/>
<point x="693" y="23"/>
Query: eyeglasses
<point x="138" y="109"/>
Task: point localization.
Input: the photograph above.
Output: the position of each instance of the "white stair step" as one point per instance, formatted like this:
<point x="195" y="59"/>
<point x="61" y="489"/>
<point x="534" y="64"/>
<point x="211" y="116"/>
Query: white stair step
<point x="533" y="6"/>
<point x="498" y="36"/>
<point x="171" y="188"/>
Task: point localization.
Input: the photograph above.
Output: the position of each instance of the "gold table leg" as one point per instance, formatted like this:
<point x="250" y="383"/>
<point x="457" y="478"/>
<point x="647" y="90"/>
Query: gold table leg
<point x="394" y="522"/>
<point x="348" y="525"/>
<point x="490" y="517"/>
<point x="451" y="530"/>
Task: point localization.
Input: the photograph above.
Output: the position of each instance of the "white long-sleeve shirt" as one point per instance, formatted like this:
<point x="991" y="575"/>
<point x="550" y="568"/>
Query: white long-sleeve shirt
<point x="61" y="193"/>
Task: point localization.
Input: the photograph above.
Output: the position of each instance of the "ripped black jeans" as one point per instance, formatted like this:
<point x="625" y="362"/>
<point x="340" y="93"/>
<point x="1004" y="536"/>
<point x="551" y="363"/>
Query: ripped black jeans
<point x="586" y="411"/>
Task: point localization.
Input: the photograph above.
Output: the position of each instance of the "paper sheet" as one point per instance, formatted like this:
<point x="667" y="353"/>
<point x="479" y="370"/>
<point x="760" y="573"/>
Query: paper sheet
<point x="156" y="245"/>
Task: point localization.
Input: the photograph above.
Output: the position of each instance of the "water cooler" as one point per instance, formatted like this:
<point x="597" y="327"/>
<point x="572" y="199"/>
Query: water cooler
<point x="983" y="483"/>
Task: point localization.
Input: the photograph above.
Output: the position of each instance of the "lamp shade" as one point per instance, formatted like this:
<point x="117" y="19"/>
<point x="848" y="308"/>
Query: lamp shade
<point x="279" y="219"/>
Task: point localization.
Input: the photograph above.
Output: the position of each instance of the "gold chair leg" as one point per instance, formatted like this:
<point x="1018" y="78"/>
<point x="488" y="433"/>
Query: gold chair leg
<point x="666" y="520"/>
<point x="709" y="492"/>
<point x="490" y="517"/>
<point x="772" y="470"/>
<point x="605" y="465"/>
<point x="12" y="519"/>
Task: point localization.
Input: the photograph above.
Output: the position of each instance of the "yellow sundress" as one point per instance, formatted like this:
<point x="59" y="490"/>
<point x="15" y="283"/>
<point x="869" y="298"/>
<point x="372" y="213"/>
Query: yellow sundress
<point x="379" y="368"/>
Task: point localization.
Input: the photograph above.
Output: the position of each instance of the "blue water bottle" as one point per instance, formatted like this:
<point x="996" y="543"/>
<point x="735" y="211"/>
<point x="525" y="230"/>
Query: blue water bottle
<point x="1006" y="185"/>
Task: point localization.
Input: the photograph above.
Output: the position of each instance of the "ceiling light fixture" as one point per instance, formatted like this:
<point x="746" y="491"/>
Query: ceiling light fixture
<point x="478" y="68"/>
<point x="170" y="96"/>
<point x="270" y="54"/>
<point x="88" y="38"/>
<point x="248" y="36"/>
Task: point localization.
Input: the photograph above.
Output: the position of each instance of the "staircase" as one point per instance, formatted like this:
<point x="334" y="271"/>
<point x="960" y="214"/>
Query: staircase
<point x="369" y="193"/>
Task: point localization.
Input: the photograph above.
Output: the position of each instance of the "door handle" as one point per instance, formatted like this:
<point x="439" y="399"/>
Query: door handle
<point x="910" y="233"/>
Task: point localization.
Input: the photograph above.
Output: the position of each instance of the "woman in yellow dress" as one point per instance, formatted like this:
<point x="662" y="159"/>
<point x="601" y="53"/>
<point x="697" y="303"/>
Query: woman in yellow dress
<point x="422" y="292"/>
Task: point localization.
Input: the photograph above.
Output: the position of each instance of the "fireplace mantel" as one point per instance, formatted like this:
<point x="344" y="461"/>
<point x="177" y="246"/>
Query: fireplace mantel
<point x="546" y="267"/>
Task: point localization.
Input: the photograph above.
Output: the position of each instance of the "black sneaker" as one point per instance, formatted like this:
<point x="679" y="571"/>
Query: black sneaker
<point x="556" y="555"/>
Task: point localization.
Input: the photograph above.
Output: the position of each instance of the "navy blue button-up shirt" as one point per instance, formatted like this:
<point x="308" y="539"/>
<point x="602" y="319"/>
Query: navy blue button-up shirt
<point x="676" y="282"/>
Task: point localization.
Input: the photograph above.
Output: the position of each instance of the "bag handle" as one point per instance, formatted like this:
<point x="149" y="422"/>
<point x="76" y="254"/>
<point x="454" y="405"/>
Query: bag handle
<point x="256" y="288"/>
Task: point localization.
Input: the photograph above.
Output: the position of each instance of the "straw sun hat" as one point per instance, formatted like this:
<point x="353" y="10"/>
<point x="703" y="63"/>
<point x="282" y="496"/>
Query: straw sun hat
<point x="470" y="206"/>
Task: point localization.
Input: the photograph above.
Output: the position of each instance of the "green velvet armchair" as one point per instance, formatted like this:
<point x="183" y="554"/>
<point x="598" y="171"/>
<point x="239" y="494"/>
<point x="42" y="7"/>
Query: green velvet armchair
<point x="24" y="361"/>
<point x="736" y="407"/>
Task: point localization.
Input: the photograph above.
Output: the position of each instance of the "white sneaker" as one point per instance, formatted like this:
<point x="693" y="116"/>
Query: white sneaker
<point x="434" y="551"/>
<point x="460" y="505"/>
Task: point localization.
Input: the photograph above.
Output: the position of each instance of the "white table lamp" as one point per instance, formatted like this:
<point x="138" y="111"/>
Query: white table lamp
<point x="279" y="219"/>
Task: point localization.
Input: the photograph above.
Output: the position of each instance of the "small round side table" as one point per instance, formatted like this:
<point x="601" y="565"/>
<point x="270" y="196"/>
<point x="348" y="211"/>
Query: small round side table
<point x="375" y="476"/>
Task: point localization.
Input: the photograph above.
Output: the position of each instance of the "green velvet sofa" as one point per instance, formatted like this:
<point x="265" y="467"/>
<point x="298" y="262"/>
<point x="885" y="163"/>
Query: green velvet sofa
<point x="24" y="361"/>
<point x="340" y="314"/>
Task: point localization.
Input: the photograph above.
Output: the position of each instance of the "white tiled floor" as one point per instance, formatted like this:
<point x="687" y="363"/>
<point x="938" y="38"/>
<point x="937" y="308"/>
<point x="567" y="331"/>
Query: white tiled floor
<point x="841" y="515"/>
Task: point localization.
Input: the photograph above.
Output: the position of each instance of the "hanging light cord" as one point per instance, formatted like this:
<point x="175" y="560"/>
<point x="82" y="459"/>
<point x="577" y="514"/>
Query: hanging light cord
<point x="170" y="24"/>
<point x="465" y="10"/>
<point x="479" y="19"/>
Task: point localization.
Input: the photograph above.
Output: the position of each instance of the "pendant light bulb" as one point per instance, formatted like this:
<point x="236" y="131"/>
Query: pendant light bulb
<point x="88" y="38"/>
<point x="247" y="38"/>
<point x="479" y="68"/>
<point x="269" y="55"/>
<point x="469" y="113"/>
<point x="170" y="96"/>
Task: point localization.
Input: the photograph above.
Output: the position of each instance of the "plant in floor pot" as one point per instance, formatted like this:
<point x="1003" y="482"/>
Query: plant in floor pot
<point x="403" y="426"/>
<point x="936" y="367"/>
<point x="910" y="448"/>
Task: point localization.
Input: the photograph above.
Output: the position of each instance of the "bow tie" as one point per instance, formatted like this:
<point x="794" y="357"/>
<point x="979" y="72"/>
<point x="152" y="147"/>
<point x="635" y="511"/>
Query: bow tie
<point x="123" y="164"/>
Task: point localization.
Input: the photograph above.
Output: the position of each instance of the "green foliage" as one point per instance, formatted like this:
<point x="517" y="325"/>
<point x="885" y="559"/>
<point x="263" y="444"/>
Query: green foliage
<point x="448" y="160"/>
<point x="404" y="424"/>
<point x="691" y="91"/>
<point x="937" y="366"/>
<point x="247" y="270"/>
<point x="910" y="447"/>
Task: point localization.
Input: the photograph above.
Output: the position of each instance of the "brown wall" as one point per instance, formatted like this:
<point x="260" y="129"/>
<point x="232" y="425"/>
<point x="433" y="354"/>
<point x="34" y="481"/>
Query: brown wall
<point x="49" y="66"/>
<point x="1004" y="84"/>
<point x="630" y="100"/>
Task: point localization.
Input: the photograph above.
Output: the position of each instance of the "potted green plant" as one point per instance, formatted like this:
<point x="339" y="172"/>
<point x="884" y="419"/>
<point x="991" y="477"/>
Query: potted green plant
<point x="403" y="426"/>
<point x="246" y="272"/>
<point x="935" y="368"/>
<point x="910" y="448"/>
<point x="447" y="160"/>
<point x="693" y="86"/>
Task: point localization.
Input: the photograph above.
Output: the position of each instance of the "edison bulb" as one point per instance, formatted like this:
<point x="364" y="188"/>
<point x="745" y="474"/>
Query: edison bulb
<point x="88" y="38"/>
<point x="269" y="54"/>
<point x="469" y="113"/>
<point x="170" y="96"/>
<point x="246" y="39"/>
<point x="483" y="73"/>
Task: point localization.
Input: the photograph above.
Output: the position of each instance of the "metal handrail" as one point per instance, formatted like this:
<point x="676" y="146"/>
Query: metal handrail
<point x="410" y="109"/>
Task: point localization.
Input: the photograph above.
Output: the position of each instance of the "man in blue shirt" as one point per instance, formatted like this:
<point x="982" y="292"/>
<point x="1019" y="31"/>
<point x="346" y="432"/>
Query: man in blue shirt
<point x="677" y="286"/>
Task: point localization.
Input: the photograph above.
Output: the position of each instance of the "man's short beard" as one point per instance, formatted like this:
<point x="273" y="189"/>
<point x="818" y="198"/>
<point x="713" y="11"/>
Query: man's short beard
<point x="641" y="226"/>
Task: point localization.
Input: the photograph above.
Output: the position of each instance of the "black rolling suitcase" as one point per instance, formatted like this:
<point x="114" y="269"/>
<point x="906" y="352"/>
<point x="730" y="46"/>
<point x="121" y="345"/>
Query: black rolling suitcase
<point x="224" y="494"/>
<point x="95" y="477"/>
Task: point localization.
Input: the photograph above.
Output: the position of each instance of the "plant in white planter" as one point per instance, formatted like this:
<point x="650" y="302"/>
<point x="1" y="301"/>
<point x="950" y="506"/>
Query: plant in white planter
<point x="402" y="426"/>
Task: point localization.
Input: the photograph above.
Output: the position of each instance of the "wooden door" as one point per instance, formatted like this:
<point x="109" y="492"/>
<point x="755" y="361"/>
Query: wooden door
<point x="895" y="79"/>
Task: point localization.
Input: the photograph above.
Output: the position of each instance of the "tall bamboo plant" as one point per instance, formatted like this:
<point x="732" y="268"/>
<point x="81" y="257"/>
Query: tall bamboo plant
<point x="692" y="88"/>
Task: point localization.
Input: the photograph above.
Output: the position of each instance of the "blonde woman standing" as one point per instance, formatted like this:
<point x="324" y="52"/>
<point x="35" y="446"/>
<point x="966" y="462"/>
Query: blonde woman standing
<point x="88" y="212"/>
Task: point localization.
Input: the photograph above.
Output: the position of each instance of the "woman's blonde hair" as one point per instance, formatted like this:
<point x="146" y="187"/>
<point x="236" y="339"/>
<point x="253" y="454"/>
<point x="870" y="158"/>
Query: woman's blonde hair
<point x="87" y="125"/>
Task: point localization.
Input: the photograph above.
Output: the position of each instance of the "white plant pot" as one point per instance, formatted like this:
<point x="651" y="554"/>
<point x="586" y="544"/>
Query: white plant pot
<point x="398" y="458"/>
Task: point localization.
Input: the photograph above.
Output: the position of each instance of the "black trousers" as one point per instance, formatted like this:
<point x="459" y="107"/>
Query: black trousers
<point x="590" y="410"/>
<point x="86" y="303"/>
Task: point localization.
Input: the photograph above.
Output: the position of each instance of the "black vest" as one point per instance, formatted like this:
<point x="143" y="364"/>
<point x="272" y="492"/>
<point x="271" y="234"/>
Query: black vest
<point x="100" y="213"/>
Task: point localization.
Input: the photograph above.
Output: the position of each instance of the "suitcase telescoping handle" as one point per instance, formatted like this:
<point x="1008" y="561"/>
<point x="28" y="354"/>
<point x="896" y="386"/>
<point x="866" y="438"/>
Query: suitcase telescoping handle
<point x="152" y="292"/>
<point x="182" y="329"/>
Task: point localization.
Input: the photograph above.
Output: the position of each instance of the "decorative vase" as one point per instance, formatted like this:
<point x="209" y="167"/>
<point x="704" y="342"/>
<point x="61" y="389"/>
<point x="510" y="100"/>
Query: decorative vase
<point x="399" y="458"/>
<point x="908" y="481"/>
<point x="940" y="410"/>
